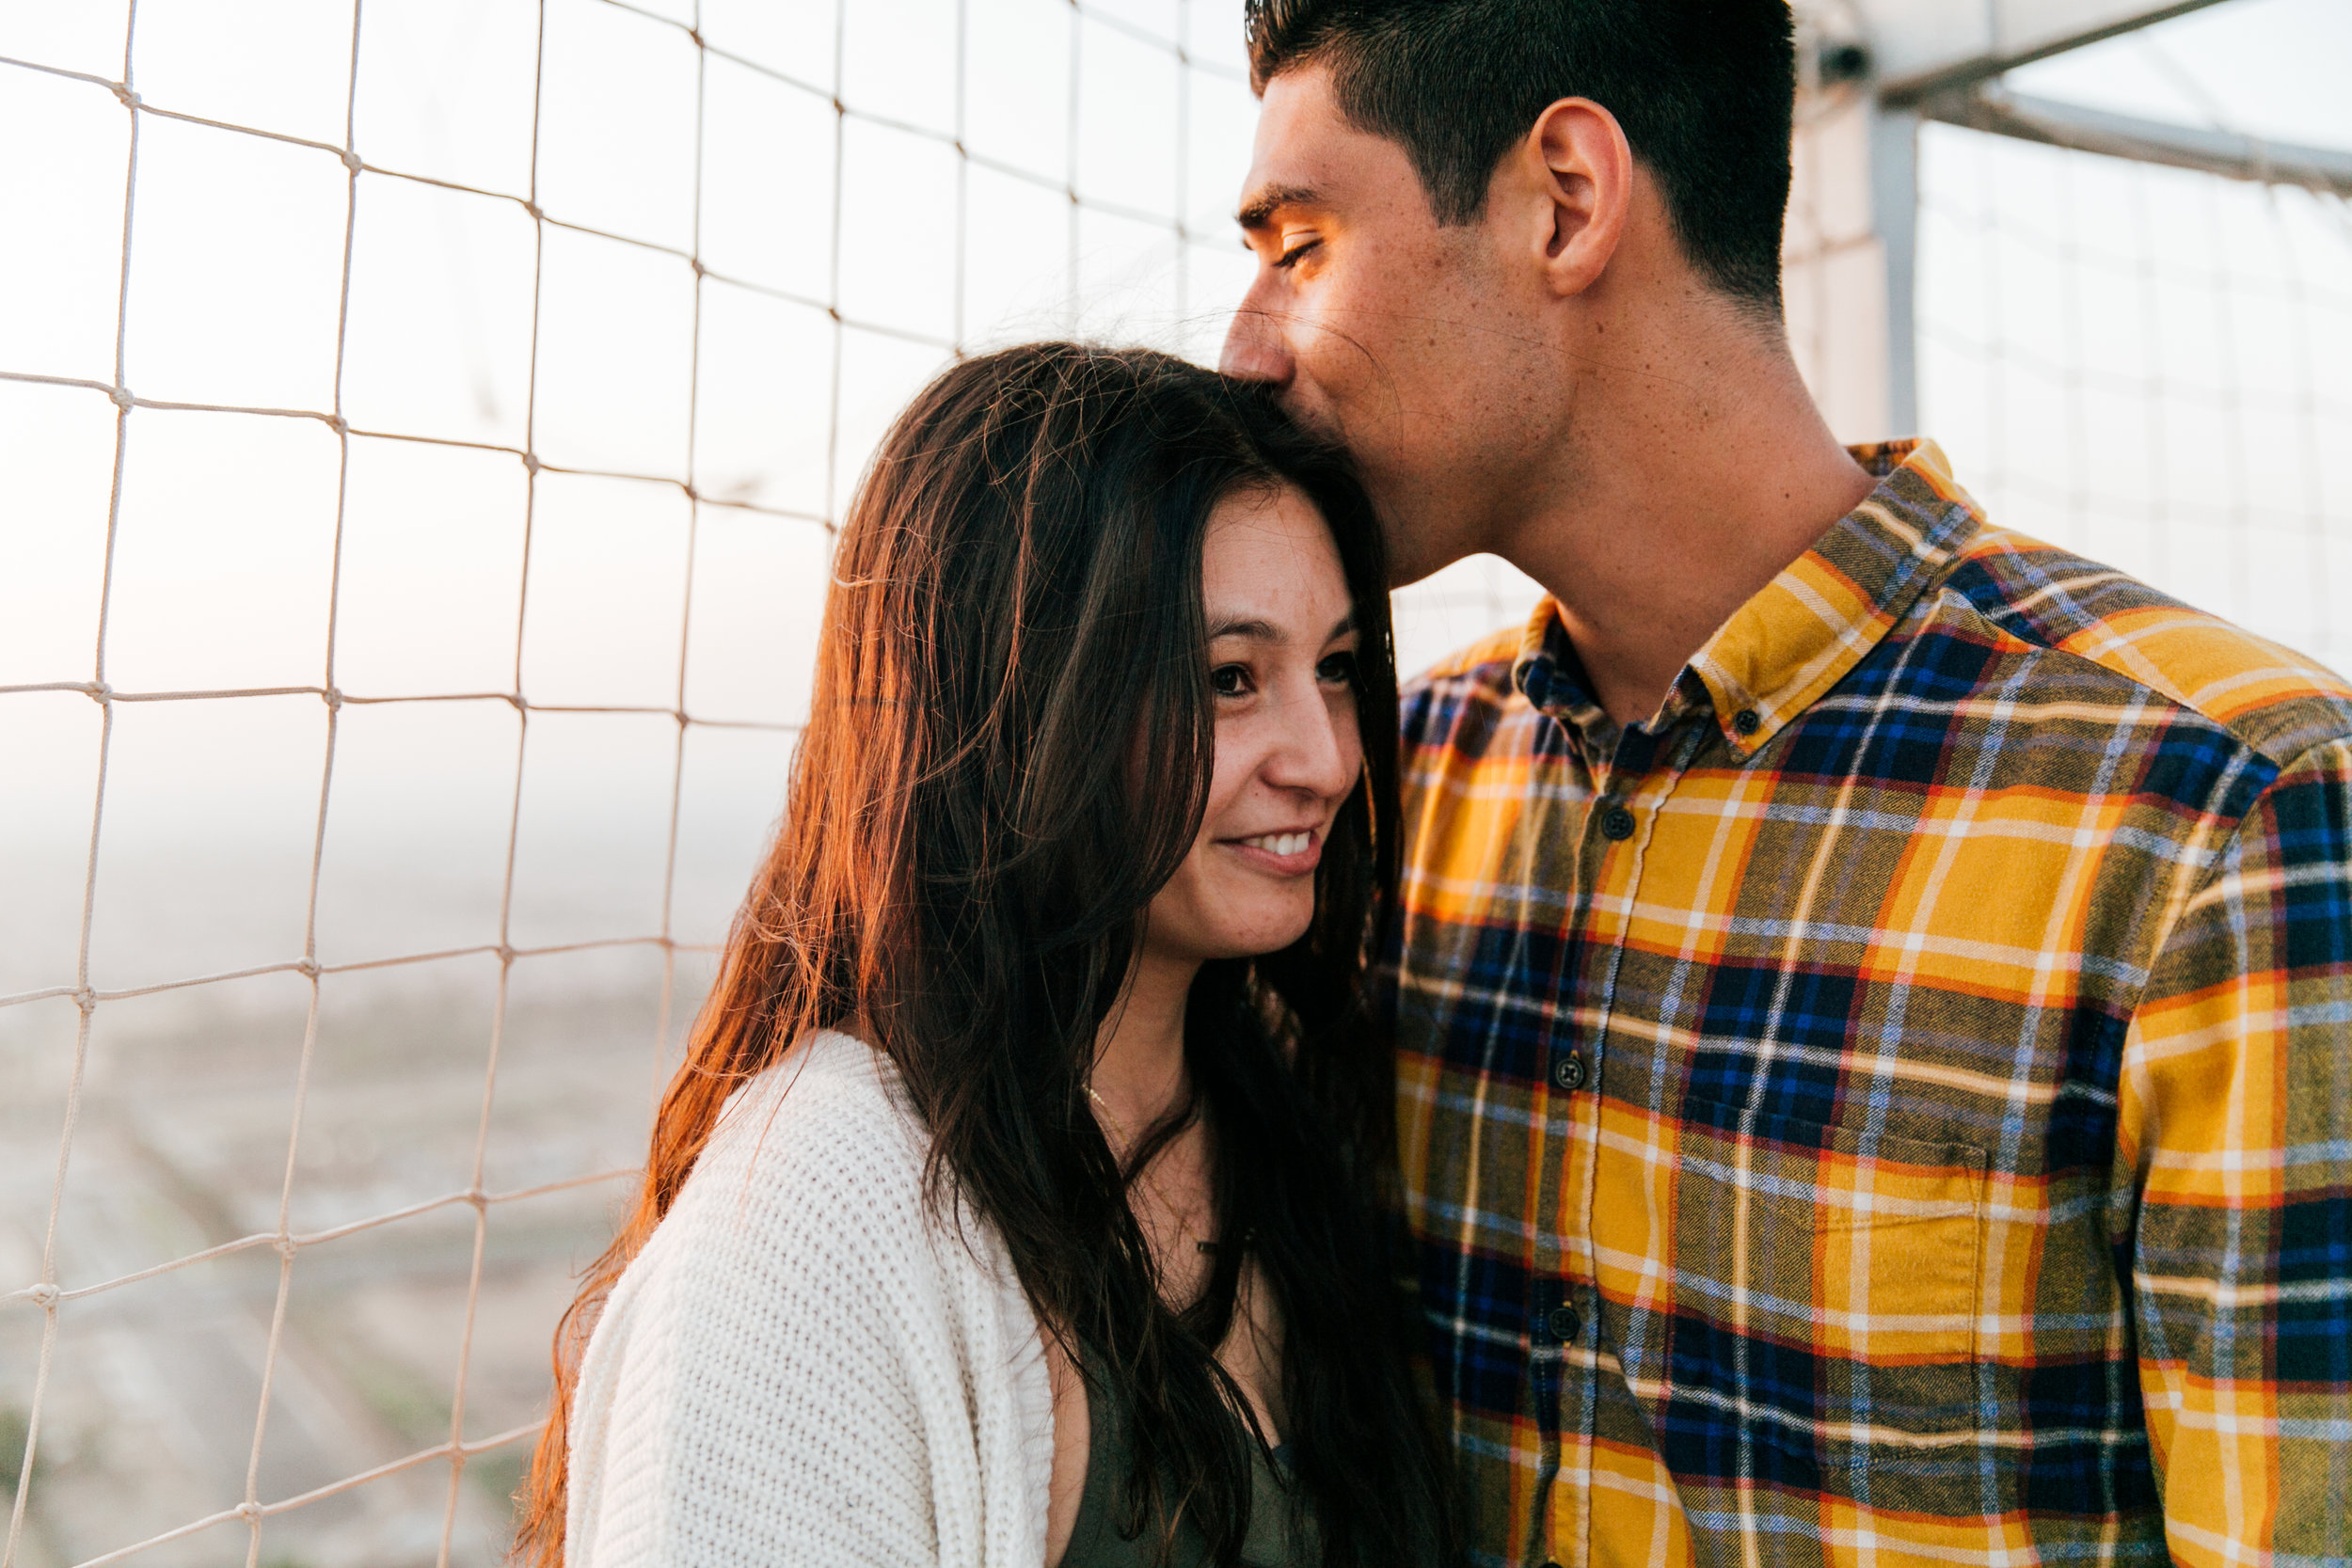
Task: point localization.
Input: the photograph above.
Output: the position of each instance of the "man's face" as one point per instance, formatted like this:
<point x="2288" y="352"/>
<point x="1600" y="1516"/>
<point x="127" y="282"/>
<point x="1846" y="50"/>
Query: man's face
<point x="1418" y="345"/>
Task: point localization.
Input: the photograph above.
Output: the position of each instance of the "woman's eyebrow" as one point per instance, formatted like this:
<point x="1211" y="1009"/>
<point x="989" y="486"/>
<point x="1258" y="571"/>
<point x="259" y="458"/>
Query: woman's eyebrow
<point x="1266" y="631"/>
<point x="1254" y="630"/>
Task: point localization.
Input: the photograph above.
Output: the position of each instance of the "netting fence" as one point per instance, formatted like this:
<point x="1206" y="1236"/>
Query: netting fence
<point x="2150" y="365"/>
<point x="601" y="328"/>
<point x="420" y="431"/>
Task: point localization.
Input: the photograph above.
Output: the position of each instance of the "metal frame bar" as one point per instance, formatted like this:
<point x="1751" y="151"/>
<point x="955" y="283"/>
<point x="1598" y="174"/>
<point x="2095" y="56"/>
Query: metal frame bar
<point x="1965" y="89"/>
<point x="2233" y="156"/>
<point x="1927" y="81"/>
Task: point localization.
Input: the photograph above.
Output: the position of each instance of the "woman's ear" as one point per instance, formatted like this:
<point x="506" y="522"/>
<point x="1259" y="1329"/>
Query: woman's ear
<point x="1579" y="165"/>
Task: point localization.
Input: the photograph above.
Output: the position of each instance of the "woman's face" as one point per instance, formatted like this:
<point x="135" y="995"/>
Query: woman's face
<point x="1283" y="677"/>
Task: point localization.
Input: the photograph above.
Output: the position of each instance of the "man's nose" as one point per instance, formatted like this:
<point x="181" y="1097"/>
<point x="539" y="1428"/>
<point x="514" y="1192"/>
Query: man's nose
<point x="1254" y="347"/>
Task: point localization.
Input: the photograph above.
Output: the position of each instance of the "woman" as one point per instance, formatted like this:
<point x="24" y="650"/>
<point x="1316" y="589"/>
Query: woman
<point x="1018" y="1201"/>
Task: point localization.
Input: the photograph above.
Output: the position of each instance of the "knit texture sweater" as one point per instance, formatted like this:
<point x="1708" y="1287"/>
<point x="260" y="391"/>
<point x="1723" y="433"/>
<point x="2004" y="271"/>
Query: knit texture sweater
<point x="804" y="1364"/>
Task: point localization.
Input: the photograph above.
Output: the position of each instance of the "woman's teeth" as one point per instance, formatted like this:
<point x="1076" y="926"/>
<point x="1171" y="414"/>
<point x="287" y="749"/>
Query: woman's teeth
<point x="1282" y="844"/>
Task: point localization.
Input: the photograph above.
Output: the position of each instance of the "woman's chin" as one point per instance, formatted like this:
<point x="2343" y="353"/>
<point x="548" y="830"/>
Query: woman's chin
<point x="1270" y="936"/>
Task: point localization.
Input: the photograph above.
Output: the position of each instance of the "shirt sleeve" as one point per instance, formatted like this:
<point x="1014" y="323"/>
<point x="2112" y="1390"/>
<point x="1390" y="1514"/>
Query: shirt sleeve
<point x="2235" y="1122"/>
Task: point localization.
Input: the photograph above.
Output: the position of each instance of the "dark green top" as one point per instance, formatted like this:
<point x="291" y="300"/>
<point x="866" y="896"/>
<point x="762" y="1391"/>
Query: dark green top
<point x="1095" y="1541"/>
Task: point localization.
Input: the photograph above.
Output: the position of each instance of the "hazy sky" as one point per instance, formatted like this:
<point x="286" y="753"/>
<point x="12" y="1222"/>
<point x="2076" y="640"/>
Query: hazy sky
<point x="2081" y="321"/>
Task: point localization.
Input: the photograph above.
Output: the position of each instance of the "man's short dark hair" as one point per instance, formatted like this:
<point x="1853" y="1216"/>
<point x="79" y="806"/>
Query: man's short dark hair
<point x="1704" y="89"/>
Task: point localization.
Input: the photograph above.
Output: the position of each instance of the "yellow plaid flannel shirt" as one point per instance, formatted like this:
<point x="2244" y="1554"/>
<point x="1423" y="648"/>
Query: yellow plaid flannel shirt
<point x="1894" y="1105"/>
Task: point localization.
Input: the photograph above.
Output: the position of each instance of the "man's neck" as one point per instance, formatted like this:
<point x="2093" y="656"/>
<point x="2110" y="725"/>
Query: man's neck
<point x="1691" y="483"/>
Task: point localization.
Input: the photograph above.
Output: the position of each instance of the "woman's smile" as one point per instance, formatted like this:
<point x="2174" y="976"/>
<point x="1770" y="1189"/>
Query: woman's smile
<point x="1294" y="852"/>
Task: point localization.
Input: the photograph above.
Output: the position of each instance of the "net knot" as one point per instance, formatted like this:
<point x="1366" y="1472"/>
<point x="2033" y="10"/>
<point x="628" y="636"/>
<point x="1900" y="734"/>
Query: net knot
<point x="122" y="91"/>
<point x="506" y="955"/>
<point x="99" y="692"/>
<point x="531" y="462"/>
<point x="333" y="697"/>
<point x="336" y="423"/>
<point x="537" y="214"/>
<point x="121" y="396"/>
<point x="308" y="968"/>
<point x="86" y="1000"/>
<point x="352" y="161"/>
<point x="249" y="1512"/>
<point x="479" y="1199"/>
<point x="44" y="1295"/>
<point x="285" y="1246"/>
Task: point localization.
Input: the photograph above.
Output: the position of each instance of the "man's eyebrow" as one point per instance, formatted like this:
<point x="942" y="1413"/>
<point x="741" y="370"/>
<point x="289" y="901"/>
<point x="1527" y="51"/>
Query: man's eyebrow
<point x="1269" y="199"/>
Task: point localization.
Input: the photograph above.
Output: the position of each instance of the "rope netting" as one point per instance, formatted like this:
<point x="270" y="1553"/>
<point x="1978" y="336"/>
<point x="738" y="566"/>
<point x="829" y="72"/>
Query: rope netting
<point x="1024" y="203"/>
<point x="2159" y="390"/>
<point x="2147" y="365"/>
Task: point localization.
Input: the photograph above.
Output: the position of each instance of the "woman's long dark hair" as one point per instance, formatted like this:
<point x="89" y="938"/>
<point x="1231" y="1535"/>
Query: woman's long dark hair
<point x="1013" y="640"/>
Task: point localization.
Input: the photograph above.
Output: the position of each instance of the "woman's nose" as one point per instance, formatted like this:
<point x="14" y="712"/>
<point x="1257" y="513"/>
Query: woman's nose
<point x="1317" y="751"/>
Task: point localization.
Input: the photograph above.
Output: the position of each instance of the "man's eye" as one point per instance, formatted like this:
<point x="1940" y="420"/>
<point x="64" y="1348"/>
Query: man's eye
<point x="1230" y="680"/>
<point x="1290" y="256"/>
<point x="1338" y="669"/>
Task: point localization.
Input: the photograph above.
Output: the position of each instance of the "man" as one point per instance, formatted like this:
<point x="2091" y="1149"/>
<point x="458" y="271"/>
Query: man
<point x="1872" y="988"/>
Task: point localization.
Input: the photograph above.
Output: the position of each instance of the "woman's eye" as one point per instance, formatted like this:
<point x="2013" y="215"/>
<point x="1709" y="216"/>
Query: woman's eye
<point x="1290" y="256"/>
<point x="1339" y="669"/>
<point x="1230" y="680"/>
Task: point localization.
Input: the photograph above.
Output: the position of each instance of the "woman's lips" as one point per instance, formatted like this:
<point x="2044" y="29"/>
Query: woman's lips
<point x="1287" y="854"/>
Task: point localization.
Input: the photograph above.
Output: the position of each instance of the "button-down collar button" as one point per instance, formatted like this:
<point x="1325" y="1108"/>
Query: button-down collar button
<point x="1563" y="1323"/>
<point x="1745" y="721"/>
<point x="1567" y="1072"/>
<point x="1617" y="823"/>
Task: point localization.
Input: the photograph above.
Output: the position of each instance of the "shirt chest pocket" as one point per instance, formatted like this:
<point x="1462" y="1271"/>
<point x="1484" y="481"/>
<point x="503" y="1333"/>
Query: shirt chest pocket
<point x="1830" y="1280"/>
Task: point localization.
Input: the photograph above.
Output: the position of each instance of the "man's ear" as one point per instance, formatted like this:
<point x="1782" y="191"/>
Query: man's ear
<point x="1576" y="159"/>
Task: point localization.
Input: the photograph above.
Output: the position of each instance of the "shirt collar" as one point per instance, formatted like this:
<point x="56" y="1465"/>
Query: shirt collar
<point x="1786" y="646"/>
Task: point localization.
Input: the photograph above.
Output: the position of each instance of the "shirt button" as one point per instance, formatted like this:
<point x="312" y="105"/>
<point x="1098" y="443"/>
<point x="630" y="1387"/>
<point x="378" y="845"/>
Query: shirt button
<point x="1745" y="721"/>
<point x="1617" y="823"/>
<point x="1562" y="1323"/>
<point x="1567" y="1072"/>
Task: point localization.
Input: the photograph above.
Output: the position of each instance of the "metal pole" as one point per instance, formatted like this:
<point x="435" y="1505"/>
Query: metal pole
<point x="1895" y="213"/>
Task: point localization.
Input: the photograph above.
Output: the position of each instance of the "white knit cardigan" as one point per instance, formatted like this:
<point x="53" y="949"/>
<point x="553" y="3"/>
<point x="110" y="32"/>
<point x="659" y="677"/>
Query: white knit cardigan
<point x="802" y="1366"/>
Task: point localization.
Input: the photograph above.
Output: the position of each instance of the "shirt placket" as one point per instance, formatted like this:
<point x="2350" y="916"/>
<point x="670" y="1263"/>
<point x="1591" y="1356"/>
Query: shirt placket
<point x="1630" y="788"/>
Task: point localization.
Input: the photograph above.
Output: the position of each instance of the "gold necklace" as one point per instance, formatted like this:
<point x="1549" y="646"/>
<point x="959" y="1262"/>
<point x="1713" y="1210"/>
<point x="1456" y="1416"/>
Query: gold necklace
<point x="1127" y="1141"/>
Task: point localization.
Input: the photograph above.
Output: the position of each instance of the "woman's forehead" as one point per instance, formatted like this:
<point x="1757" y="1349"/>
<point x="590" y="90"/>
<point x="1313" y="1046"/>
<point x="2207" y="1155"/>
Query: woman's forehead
<point x="1269" y="568"/>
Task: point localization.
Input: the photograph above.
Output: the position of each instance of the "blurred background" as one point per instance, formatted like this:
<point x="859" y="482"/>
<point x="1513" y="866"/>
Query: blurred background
<point x="420" y="429"/>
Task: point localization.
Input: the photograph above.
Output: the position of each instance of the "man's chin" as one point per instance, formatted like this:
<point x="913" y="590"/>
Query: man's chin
<point x="1420" y="544"/>
<point x="1406" y="575"/>
<point x="1311" y="417"/>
